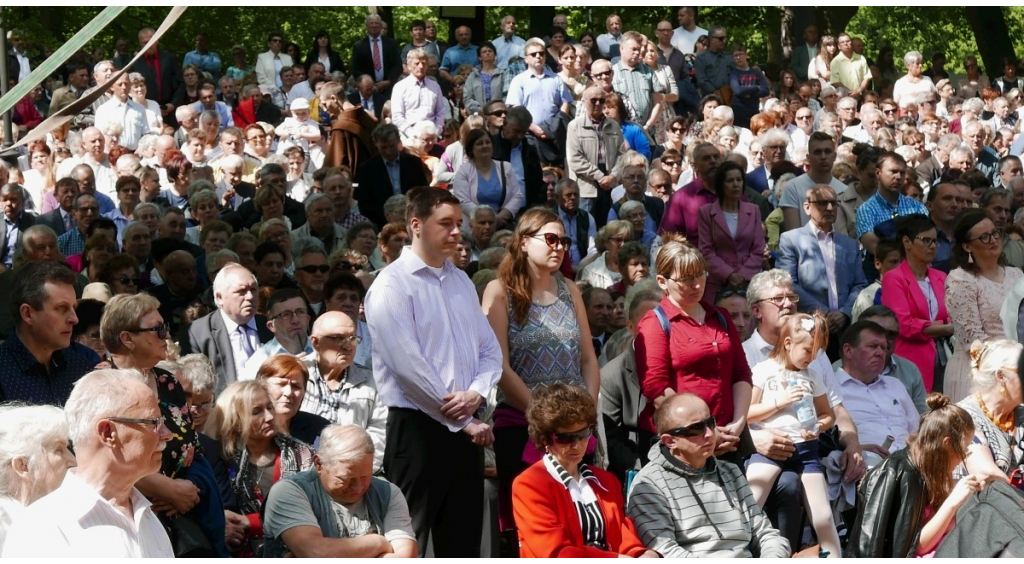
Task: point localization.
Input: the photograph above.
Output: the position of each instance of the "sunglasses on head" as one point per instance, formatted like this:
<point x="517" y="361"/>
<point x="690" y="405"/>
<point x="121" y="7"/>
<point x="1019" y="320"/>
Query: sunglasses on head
<point x="314" y="268"/>
<point x="693" y="430"/>
<point x="570" y="438"/>
<point x="725" y="293"/>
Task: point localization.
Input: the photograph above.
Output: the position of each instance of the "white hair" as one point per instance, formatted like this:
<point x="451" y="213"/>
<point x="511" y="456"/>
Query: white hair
<point x="724" y="113"/>
<point x="344" y="443"/>
<point x="220" y="283"/>
<point x="97" y="395"/>
<point x="25" y="431"/>
<point x="988" y="358"/>
<point x="912" y="56"/>
<point x="762" y="282"/>
<point x="198" y="370"/>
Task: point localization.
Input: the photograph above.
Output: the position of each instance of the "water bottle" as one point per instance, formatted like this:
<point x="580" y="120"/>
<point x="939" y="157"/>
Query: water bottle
<point x="805" y="412"/>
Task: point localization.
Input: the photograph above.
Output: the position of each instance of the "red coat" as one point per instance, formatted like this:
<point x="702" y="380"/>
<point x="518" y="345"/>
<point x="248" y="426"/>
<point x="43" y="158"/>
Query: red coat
<point x="549" y="526"/>
<point x="902" y="294"/>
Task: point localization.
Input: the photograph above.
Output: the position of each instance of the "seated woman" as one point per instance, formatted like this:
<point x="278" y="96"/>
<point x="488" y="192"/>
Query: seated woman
<point x="258" y="456"/>
<point x="907" y="504"/>
<point x="286" y="377"/>
<point x="603" y="271"/>
<point x="34" y="457"/>
<point x="580" y="513"/>
<point x="87" y="330"/>
<point x="994" y="405"/>
<point x="392" y="239"/>
<point x="483" y="180"/>
<point x="204" y="209"/>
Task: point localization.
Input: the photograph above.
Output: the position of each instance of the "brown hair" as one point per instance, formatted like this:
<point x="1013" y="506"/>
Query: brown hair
<point x="931" y="457"/>
<point x="793" y="326"/>
<point x="677" y="258"/>
<point x="514" y="270"/>
<point x="558" y="406"/>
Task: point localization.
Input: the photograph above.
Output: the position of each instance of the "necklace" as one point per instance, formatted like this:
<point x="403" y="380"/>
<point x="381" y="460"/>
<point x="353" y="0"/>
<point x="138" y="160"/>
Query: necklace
<point x="1006" y="427"/>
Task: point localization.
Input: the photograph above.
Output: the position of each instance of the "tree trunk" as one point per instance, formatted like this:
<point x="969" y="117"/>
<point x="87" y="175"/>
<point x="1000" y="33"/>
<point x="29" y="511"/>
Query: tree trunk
<point x="774" y="23"/>
<point x="835" y="19"/>
<point x="540" y="20"/>
<point x="992" y="35"/>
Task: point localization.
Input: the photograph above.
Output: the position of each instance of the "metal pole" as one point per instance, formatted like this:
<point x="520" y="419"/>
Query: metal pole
<point x="8" y="130"/>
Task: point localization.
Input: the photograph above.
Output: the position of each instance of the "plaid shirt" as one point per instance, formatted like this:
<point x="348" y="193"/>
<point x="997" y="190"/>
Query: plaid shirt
<point x="71" y="243"/>
<point x="351" y="219"/>
<point x="638" y="84"/>
<point x="876" y="210"/>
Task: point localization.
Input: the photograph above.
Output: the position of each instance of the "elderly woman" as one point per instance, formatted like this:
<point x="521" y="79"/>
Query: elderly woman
<point x="688" y="344"/>
<point x="914" y="82"/>
<point x="215" y="236"/>
<point x="286" y="378"/>
<point x="483" y="180"/>
<point x="974" y="294"/>
<point x="422" y="144"/>
<point x="916" y="293"/>
<point x="138" y="95"/>
<point x="270" y="205"/>
<point x="603" y="272"/>
<point x="634" y="212"/>
<point x="580" y="513"/>
<point x="257" y="454"/>
<point x="136" y="336"/>
<point x="483" y="85"/>
<point x="203" y="205"/>
<point x="34" y="457"/>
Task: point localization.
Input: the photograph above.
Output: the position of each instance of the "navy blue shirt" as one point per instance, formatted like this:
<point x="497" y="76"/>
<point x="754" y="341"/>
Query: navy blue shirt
<point x="23" y="378"/>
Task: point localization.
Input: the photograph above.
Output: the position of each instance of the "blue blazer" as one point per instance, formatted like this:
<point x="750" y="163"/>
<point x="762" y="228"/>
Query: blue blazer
<point x="800" y="256"/>
<point x="757" y="179"/>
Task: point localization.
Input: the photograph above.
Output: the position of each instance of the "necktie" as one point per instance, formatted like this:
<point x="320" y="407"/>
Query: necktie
<point x="597" y="345"/>
<point x="69" y="224"/>
<point x="366" y="104"/>
<point x="376" y="55"/>
<point x="243" y="333"/>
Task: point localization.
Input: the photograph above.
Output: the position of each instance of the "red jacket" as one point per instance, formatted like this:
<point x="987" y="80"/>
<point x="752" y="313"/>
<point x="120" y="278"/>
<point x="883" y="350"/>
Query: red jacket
<point x="549" y="526"/>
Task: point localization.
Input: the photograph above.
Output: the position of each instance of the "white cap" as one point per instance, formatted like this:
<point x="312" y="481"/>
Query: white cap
<point x="299" y="104"/>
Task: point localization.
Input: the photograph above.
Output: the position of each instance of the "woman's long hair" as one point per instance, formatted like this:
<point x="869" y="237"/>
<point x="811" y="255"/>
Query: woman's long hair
<point x="232" y="416"/>
<point x="514" y="270"/>
<point x="932" y="458"/>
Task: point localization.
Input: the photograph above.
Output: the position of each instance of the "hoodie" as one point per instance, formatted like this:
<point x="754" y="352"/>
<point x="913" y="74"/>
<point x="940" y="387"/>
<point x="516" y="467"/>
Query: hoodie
<point x="684" y="512"/>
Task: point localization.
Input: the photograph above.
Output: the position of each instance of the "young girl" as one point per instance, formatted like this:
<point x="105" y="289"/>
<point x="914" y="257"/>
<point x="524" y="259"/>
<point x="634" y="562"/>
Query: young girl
<point x="789" y="397"/>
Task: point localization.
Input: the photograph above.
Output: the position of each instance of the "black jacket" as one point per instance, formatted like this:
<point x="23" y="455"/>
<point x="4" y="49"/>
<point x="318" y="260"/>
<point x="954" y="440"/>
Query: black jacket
<point x="313" y="56"/>
<point x="375" y="185"/>
<point x="891" y="501"/>
<point x="533" y="185"/>
<point x="172" y="86"/>
<point x="391" y="59"/>
<point x="989" y="524"/>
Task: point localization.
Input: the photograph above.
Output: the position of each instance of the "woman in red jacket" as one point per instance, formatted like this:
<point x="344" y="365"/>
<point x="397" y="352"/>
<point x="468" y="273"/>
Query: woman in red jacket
<point x="563" y="508"/>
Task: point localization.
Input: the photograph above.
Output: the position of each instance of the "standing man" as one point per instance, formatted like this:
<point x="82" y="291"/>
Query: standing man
<point x="462" y="53"/>
<point x="370" y="100"/>
<point x="850" y="69"/>
<point x="415" y="98"/>
<point x="804" y="53"/>
<point x="125" y="111"/>
<point x="512" y="144"/>
<point x="87" y="209"/>
<point x="538" y="89"/>
<point x="163" y="76"/>
<point x="435" y="361"/>
<point x="714" y="66"/>
<point x="377" y="56"/>
<point x="392" y="171"/>
<point x="593" y="146"/>
<point x="684" y="205"/>
<point x="78" y="82"/>
<point x="508" y="44"/>
<point x="578" y="223"/>
<point x="202" y="57"/>
<point x="608" y="43"/>
<point x="685" y="36"/>
<point x="270" y="63"/>
<point x="888" y="202"/>
<point x="636" y="80"/>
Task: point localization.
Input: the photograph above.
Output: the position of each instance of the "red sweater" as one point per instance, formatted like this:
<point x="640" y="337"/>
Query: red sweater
<point x="549" y="526"/>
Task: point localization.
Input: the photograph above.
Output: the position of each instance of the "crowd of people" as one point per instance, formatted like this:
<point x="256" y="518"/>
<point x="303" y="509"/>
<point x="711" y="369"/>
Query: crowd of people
<point x="615" y="295"/>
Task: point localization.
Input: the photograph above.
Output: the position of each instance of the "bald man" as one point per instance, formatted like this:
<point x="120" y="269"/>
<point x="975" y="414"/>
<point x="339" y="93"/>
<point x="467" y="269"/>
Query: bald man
<point x="338" y="390"/>
<point x="462" y="53"/>
<point x="180" y="288"/>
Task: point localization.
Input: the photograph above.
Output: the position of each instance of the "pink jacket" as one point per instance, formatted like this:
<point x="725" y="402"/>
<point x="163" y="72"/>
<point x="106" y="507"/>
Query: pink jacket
<point x="901" y="293"/>
<point x="724" y="253"/>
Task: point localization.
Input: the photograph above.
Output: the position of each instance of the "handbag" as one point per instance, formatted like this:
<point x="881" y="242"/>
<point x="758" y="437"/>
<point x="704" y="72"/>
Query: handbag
<point x="187" y="538"/>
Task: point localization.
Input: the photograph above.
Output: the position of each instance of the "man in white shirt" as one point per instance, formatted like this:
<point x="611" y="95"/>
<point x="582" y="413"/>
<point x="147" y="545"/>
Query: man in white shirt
<point x="304" y="89"/>
<point x="416" y="98"/>
<point x="608" y="43"/>
<point x="119" y="435"/>
<point x="208" y="101"/>
<point x="508" y="44"/>
<point x="685" y="36"/>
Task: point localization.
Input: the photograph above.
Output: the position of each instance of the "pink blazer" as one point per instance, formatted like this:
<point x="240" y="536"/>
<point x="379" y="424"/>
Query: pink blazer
<point x="901" y="293"/>
<point x="724" y="253"/>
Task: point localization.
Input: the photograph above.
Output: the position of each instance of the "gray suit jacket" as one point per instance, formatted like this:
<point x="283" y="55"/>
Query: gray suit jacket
<point x="800" y="256"/>
<point x="209" y="335"/>
<point x="52" y="219"/>
<point x="620" y="405"/>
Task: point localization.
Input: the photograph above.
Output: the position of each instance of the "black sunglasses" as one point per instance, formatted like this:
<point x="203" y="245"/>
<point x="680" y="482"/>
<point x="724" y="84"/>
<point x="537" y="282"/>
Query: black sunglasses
<point x="129" y="280"/>
<point x="725" y="293"/>
<point x="602" y="74"/>
<point x="163" y="330"/>
<point x="314" y="268"/>
<point x="498" y="113"/>
<point x="552" y="240"/>
<point x="570" y="438"/>
<point x="694" y="430"/>
<point x="345" y="265"/>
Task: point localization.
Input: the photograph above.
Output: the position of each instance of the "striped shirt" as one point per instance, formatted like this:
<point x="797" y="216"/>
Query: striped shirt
<point x="638" y="84"/>
<point x="73" y="521"/>
<point x="430" y="337"/>
<point x="584" y="498"/>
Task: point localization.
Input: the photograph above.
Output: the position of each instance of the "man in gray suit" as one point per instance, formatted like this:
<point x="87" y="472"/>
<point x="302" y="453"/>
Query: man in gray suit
<point x="62" y="218"/>
<point x="229" y="336"/>
<point x="620" y="387"/>
<point x="805" y="52"/>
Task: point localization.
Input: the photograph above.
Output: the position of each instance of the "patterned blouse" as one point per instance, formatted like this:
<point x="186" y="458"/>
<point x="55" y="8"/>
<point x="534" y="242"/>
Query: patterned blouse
<point x="1007" y="448"/>
<point x="583" y="497"/>
<point x="184" y="443"/>
<point x="296" y="456"/>
<point x="546" y="348"/>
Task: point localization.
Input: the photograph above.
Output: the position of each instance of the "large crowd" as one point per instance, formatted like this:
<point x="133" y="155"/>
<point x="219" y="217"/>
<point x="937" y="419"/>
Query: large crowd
<point x="614" y="295"/>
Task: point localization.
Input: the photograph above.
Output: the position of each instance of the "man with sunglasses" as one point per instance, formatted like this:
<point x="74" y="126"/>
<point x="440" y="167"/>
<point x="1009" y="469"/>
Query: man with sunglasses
<point x="539" y="89"/>
<point x="512" y="144"/>
<point x="593" y="146"/>
<point x="288" y="320"/>
<point x="714" y="66"/>
<point x="311" y="270"/>
<point x="687" y="503"/>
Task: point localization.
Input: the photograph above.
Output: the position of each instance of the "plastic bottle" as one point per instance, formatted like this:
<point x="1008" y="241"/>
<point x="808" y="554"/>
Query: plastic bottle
<point x="805" y="412"/>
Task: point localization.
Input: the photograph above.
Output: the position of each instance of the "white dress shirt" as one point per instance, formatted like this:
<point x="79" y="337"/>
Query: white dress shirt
<point x="879" y="409"/>
<point x="413" y="101"/>
<point x="430" y="337"/>
<point x="73" y="521"/>
<point x="130" y="114"/>
<point x="827" y="246"/>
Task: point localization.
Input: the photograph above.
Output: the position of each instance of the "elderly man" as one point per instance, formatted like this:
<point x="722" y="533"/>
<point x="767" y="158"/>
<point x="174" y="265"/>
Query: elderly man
<point x="985" y="159"/>
<point x="123" y="110"/>
<point x="603" y="74"/>
<point x="771" y="298"/>
<point x="320" y="223"/>
<point x="16" y="221"/>
<point x="481" y="228"/>
<point x="229" y="336"/>
<point x="593" y="146"/>
<point x="338" y="509"/>
<point x="188" y="120"/>
<point x="95" y="157"/>
<point x="372" y="102"/>
<point x="871" y="120"/>
<point x="609" y="44"/>
<point x="714" y="65"/>
<point x="232" y="190"/>
<point x="339" y="390"/>
<point x="87" y="210"/>
<point x="773" y="143"/>
<point x="634" y="183"/>
<point x="879" y="405"/>
<point x="164" y="82"/>
<point x="512" y="144"/>
<point x="62" y="218"/>
<point x="78" y="82"/>
<point x="538" y="88"/>
<point x="681" y="210"/>
<point x="462" y="53"/>
<point x="42" y="362"/>
<point x="311" y="268"/>
<point x="288" y="320"/>
<point x="178" y="271"/>
<point x="415" y="98"/>
<point x="895" y="365"/>
<point x="119" y="435"/>
<point x="377" y="56"/>
<point x="687" y="503"/>
<point x="850" y="69"/>
<point x="337" y="184"/>
<point x="635" y="80"/>
<point x="508" y="44"/>
<point x="932" y="169"/>
<point x="578" y="223"/>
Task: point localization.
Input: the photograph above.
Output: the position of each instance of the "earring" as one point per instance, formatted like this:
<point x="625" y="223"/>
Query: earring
<point x="970" y="258"/>
<point x="1002" y="390"/>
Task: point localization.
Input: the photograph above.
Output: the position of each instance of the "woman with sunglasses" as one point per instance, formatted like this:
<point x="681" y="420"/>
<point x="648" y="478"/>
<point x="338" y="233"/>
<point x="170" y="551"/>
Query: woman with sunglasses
<point x="974" y="294"/>
<point x="579" y="514"/>
<point x="136" y="336"/>
<point x="916" y="293"/>
<point x="541" y="324"/>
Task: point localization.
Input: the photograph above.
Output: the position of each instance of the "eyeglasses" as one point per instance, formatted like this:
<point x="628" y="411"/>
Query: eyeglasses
<point x="824" y="204"/>
<point x="665" y="30"/>
<point x="780" y="301"/>
<point x="536" y="54"/>
<point x="291" y="315"/>
<point x="888" y="112"/>
<point x="553" y="240"/>
<point x="671" y="163"/>
<point x="846" y="109"/>
<point x="153" y="424"/>
<point x="200" y="407"/>
<point x="677" y="130"/>
<point x="619" y="240"/>
<point x="694" y="429"/>
<point x="774" y="147"/>
<point x="571" y="438"/>
<point x="689" y="281"/>
<point x="343" y="340"/>
<point x="929" y="241"/>
<point x="597" y="101"/>
<point x="345" y="265"/>
<point x="498" y="113"/>
<point x="602" y="74"/>
<point x="987" y="238"/>
<point x="128" y="280"/>
<point x="314" y="268"/>
<point x="803" y="117"/>
<point x="162" y="331"/>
